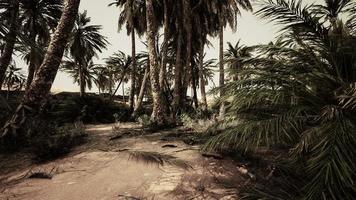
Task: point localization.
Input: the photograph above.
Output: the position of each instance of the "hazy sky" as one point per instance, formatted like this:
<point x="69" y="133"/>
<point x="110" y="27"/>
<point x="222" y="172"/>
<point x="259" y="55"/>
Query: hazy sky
<point x="251" y="31"/>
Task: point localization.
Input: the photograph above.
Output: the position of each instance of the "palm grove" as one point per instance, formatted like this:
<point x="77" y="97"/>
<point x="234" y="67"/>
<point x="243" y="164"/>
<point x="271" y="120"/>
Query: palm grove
<point x="296" y="95"/>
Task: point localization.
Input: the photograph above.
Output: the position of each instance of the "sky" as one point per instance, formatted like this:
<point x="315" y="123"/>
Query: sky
<point x="251" y="31"/>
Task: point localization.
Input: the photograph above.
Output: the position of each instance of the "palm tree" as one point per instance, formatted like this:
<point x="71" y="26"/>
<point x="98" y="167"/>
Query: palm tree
<point x="14" y="79"/>
<point x="85" y="42"/>
<point x="206" y="75"/>
<point x="234" y="57"/>
<point x="143" y="61"/>
<point x="101" y="80"/>
<point x="133" y="15"/>
<point x="37" y="93"/>
<point x="118" y="66"/>
<point x="9" y="14"/>
<point x="300" y="95"/>
<point x="227" y="12"/>
<point x="167" y="8"/>
<point x="178" y="68"/>
<point x="159" y="114"/>
<point x="87" y="71"/>
<point x="38" y="18"/>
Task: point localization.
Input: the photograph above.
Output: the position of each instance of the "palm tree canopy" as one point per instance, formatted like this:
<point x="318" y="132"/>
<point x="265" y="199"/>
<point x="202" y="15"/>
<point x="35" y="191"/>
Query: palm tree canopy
<point x="119" y="65"/>
<point x="228" y="10"/>
<point x="38" y="17"/>
<point x="132" y="15"/>
<point x="89" y="71"/>
<point x="86" y="39"/>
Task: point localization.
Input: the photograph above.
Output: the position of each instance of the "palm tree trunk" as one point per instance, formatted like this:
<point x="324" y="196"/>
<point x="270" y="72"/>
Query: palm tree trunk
<point x="10" y="41"/>
<point x="117" y="88"/>
<point x="31" y="69"/>
<point x="142" y="92"/>
<point x="40" y="88"/>
<point x="201" y="76"/>
<point x="194" y="87"/>
<point x="133" y="72"/>
<point x="166" y="33"/>
<point x="159" y="111"/>
<point x="32" y="66"/>
<point x="221" y="68"/>
<point x="188" y="28"/>
<point x="123" y="93"/>
<point x="178" y="71"/>
<point x="81" y="79"/>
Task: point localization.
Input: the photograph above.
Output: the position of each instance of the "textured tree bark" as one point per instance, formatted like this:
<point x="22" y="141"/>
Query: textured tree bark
<point x="159" y="111"/>
<point x="40" y="88"/>
<point x="178" y="71"/>
<point x="10" y="41"/>
<point x="81" y="78"/>
<point x="32" y="65"/>
<point x="221" y="69"/>
<point x="142" y="92"/>
<point x="133" y="72"/>
<point x="166" y="33"/>
<point x="188" y="28"/>
<point x="201" y="77"/>
<point x="194" y="87"/>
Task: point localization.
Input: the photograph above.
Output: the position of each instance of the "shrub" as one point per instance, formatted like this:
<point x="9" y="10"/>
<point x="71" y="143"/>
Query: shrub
<point x="89" y="109"/>
<point x="49" y="141"/>
<point x="5" y="111"/>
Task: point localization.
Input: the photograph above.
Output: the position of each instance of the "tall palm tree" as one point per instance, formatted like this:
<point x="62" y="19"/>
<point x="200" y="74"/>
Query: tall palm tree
<point x="9" y="15"/>
<point x="118" y="66"/>
<point x="159" y="114"/>
<point x="101" y="78"/>
<point x="87" y="71"/>
<point x="234" y="57"/>
<point x="143" y="61"/>
<point x="227" y="12"/>
<point x="300" y="95"/>
<point x="37" y="93"/>
<point x="178" y="68"/>
<point x="38" y="18"/>
<point x="206" y="75"/>
<point x="133" y="15"/>
<point x="85" y="42"/>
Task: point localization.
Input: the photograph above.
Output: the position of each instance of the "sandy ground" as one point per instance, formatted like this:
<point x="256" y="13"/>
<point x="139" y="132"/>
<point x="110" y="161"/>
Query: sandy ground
<point x="104" y="170"/>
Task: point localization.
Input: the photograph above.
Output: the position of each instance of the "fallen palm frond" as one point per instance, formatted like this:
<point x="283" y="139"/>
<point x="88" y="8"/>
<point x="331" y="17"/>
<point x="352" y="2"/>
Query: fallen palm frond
<point x="159" y="159"/>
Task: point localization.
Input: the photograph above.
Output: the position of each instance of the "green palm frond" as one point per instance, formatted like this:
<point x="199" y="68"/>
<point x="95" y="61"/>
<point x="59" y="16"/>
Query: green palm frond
<point x="298" y="93"/>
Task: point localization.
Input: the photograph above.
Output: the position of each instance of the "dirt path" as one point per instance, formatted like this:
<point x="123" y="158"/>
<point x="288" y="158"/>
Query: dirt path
<point x="106" y="169"/>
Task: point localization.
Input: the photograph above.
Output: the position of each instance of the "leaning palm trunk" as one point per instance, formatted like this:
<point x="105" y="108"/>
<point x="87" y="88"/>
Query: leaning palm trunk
<point x="133" y="72"/>
<point x="201" y="76"/>
<point x="40" y="88"/>
<point x="142" y="92"/>
<point x="117" y="87"/>
<point x="221" y="69"/>
<point x="159" y="111"/>
<point x="10" y="41"/>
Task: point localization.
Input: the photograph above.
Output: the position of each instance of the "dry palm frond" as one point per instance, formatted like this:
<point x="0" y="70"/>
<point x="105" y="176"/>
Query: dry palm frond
<point x="158" y="159"/>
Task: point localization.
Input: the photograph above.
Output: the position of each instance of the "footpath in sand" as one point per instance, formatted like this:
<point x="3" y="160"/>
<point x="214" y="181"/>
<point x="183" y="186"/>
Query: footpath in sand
<point x="105" y="169"/>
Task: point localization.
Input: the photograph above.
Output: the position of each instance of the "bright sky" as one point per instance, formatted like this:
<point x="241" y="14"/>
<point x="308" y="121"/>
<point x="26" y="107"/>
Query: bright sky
<point x="251" y="31"/>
